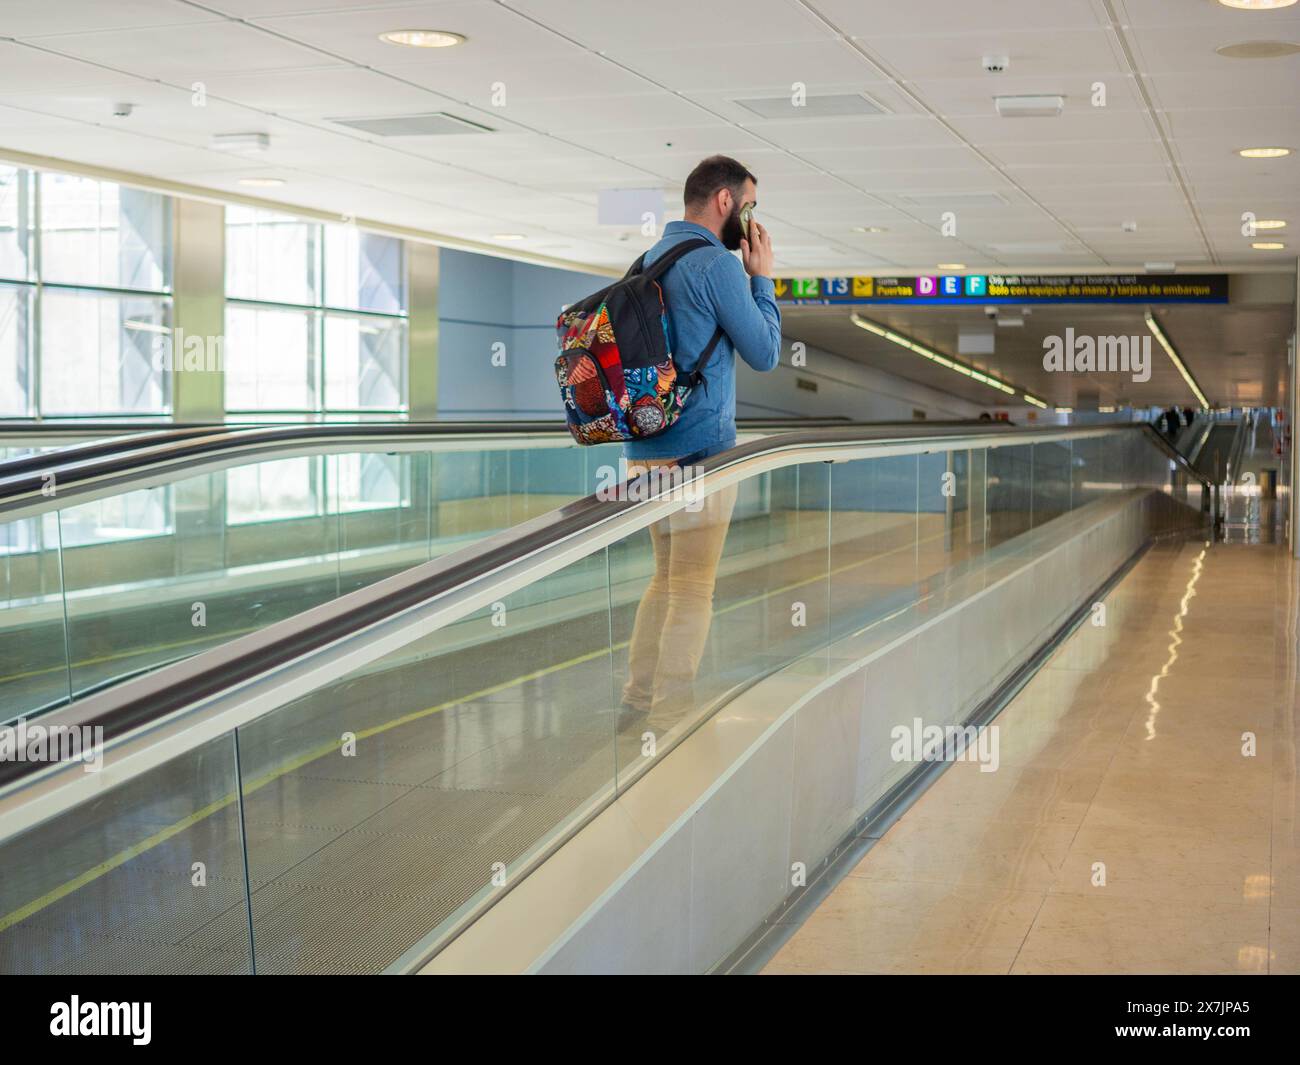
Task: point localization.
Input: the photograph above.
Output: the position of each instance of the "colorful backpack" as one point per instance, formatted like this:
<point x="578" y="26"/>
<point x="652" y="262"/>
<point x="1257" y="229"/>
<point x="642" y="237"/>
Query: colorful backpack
<point x="617" y="376"/>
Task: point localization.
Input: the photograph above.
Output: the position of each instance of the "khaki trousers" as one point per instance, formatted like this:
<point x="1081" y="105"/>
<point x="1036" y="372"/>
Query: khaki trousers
<point x="672" y="622"/>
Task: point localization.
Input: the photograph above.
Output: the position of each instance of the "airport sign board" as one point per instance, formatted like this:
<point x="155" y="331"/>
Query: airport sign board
<point x="957" y="289"/>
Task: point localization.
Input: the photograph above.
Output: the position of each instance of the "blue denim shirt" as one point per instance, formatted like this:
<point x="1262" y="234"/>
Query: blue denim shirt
<point x="704" y="289"/>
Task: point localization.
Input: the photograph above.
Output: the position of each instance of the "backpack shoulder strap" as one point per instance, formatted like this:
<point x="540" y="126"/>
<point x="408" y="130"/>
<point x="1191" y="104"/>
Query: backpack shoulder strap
<point x="656" y="270"/>
<point x="696" y="376"/>
<point x="660" y="266"/>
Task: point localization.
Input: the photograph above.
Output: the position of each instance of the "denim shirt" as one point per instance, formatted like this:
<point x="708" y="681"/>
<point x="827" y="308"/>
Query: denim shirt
<point x="704" y="289"/>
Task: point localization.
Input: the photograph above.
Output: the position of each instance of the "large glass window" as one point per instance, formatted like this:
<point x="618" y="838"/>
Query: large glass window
<point x="85" y="296"/>
<point x="17" y="214"/>
<point x="97" y="233"/>
<point x="315" y="317"/>
<point x="98" y="352"/>
<point x="15" y="314"/>
<point x="270" y="358"/>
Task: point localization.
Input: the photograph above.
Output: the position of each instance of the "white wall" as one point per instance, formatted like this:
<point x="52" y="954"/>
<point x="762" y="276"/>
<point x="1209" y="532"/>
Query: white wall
<point x="844" y="389"/>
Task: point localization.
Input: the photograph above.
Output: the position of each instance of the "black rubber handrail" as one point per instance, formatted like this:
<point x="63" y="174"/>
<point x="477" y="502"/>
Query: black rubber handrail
<point x="84" y="426"/>
<point x="134" y="442"/>
<point x="27" y="474"/>
<point x="172" y="688"/>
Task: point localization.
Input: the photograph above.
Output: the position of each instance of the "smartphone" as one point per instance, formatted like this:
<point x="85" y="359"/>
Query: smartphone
<point x="746" y="214"/>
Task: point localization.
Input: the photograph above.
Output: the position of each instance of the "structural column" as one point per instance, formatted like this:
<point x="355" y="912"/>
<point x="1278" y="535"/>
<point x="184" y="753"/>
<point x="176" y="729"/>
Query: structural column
<point x="199" y="308"/>
<point x="422" y="267"/>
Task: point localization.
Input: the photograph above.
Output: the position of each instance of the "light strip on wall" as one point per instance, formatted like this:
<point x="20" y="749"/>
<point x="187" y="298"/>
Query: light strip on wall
<point x="1035" y="401"/>
<point x="929" y="353"/>
<point x="1158" y="333"/>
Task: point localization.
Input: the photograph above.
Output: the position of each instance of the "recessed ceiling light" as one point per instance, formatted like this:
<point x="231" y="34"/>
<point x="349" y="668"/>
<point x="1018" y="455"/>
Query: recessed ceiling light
<point x="1257" y="5"/>
<point x="262" y="182"/>
<point x="951" y="266"/>
<point x="423" y="38"/>
<point x="1268" y="245"/>
<point x="1263" y="153"/>
<point x="1271" y="223"/>
<point x="869" y="229"/>
<point x="507" y="236"/>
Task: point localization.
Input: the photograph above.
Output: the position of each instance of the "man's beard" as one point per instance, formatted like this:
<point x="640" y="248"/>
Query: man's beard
<point x="732" y="230"/>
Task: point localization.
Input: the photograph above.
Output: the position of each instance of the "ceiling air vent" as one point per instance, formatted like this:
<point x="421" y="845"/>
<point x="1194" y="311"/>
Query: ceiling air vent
<point x="831" y="105"/>
<point x="433" y="124"/>
<point x="1037" y="106"/>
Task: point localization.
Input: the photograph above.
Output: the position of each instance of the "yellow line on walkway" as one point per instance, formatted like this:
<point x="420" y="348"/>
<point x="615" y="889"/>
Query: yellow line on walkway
<point x="109" y="864"/>
<point x="100" y="660"/>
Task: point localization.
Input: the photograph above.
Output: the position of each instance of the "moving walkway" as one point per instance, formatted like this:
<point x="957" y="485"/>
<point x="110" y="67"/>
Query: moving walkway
<point x="368" y="784"/>
<point x="139" y="545"/>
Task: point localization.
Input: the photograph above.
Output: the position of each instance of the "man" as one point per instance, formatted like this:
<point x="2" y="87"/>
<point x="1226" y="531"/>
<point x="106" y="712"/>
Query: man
<point x="705" y="289"/>
<point x="1171" y="423"/>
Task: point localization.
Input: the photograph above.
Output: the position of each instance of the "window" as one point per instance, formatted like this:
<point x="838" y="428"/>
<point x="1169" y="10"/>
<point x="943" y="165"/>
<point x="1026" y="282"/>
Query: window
<point x="97" y="352"/>
<point x="17" y="216"/>
<point x="85" y="296"/>
<point x="315" y="317"/>
<point x="15" y="333"/>
<point x="270" y="358"/>
<point x="99" y="234"/>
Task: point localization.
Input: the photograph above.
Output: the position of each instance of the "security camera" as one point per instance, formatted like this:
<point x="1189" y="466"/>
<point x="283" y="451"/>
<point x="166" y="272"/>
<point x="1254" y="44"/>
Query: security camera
<point x="123" y="110"/>
<point x="995" y="64"/>
<point x="990" y="312"/>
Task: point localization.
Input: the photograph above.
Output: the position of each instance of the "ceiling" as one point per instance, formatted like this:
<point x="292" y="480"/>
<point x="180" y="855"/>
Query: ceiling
<point x="1237" y="354"/>
<point x="603" y="94"/>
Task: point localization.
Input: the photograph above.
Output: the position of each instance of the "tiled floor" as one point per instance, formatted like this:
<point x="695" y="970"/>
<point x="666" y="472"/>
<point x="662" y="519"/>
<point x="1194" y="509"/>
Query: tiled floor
<point x="1128" y="829"/>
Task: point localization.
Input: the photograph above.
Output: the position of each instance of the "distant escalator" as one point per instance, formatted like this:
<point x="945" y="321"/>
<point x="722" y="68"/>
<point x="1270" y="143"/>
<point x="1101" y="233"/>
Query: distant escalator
<point x="1212" y="462"/>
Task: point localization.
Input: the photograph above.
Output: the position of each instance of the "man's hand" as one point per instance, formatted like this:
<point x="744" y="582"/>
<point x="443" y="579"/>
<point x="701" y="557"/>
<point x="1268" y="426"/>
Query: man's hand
<point x="756" y="251"/>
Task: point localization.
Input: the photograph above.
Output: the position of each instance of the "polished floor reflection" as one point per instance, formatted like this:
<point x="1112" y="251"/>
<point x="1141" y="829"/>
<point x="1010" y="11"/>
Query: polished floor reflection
<point x="1145" y="817"/>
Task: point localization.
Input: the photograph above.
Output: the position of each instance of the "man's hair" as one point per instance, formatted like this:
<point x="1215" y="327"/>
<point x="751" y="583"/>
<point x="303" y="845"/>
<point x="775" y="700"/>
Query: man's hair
<point x="715" y="172"/>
